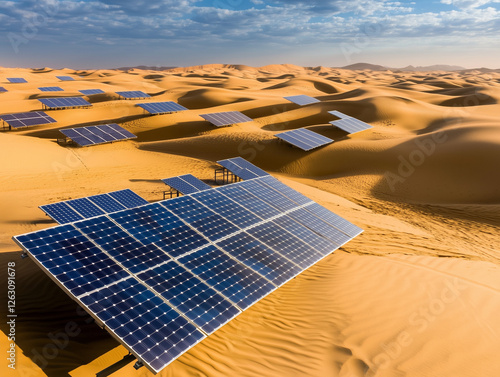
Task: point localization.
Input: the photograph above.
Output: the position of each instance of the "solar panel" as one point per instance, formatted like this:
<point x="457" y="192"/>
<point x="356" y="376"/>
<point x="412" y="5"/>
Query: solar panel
<point x="162" y="107"/>
<point x="96" y="205"/>
<point x="163" y="276"/>
<point x="65" y="78"/>
<point x="226" y="118"/>
<point x="93" y="135"/>
<point x="242" y="168"/>
<point x="186" y="184"/>
<point x="302" y="99"/>
<point x="32" y="118"/>
<point x="51" y="89"/>
<point x="338" y="114"/>
<point x="89" y="92"/>
<point x="304" y="139"/>
<point x="64" y="102"/>
<point x="3" y="90"/>
<point x="16" y="80"/>
<point x="133" y="94"/>
<point x="351" y="125"/>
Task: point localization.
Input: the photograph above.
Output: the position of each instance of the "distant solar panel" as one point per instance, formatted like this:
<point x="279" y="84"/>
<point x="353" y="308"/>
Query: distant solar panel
<point x="186" y="184"/>
<point x="64" y="102"/>
<point x="162" y="107"/>
<point x="302" y="99"/>
<point x="2" y="89"/>
<point x="351" y="125"/>
<point x="51" y="89"/>
<point x="338" y="114"/>
<point x="32" y="118"/>
<point x="304" y="139"/>
<point x="159" y="287"/>
<point x="16" y="80"/>
<point x="226" y="118"/>
<point x="133" y="94"/>
<point x="65" y="78"/>
<point x="242" y="168"/>
<point x="89" y="92"/>
<point x="92" y="135"/>
<point x="83" y="208"/>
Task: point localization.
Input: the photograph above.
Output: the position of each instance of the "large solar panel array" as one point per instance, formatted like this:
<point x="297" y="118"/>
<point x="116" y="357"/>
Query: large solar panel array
<point x="242" y="168"/>
<point x="92" y="135"/>
<point x="133" y="94"/>
<point x="186" y="184"/>
<point x="65" y="78"/>
<point x="16" y="80"/>
<point x="2" y="89"/>
<point x="64" y="102"/>
<point x="302" y="99"/>
<point x="32" y="118"/>
<point x="51" y="89"/>
<point x="304" y="139"/>
<point x="226" y="118"/>
<point x="89" y="92"/>
<point x="163" y="276"/>
<point x="78" y="209"/>
<point x="162" y="107"/>
<point x="349" y="124"/>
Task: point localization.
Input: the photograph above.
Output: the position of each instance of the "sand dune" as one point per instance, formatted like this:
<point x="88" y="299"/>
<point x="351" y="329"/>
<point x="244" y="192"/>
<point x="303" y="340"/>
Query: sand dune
<point x="416" y="295"/>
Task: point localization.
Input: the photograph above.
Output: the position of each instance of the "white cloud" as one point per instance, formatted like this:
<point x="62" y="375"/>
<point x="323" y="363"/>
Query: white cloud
<point x="463" y="4"/>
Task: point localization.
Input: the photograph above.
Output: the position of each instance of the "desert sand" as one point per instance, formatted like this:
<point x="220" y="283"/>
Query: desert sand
<point x="417" y="294"/>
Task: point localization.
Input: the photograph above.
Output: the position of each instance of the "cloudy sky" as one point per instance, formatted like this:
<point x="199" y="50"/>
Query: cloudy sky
<point x="115" y="33"/>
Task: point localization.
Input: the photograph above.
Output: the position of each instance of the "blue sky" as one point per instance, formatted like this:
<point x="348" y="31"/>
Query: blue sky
<point x="114" y="33"/>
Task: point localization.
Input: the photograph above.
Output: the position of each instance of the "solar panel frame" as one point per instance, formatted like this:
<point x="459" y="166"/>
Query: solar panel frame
<point x="157" y="108"/>
<point x="226" y="118"/>
<point x="51" y="89"/>
<point x="338" y="114"/>
<point x="302" y="99"/>
<point x="133" y="94"/>
<point x="101" y="134"/>
<point x="64" y="102"/>
<point x="304" y="139"/>
<point x="89" y="92"/>
<point x="242" y="168"/>
<point x="351" y="125"/>
<point x="27" y="119"/>
<point x="186" y="184"/>
<point x="65" y="78"/>
<point x="17" y="80"/>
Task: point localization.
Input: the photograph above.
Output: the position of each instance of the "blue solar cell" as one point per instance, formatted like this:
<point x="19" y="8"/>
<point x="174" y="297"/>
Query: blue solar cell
<point x="77" y="137"/>
<point x="64" y="102"/>
<point x="89" y="134"/>
<point x="122" y="131"/>
<point x="334" y="220"/>
<point x="107" y="203"/>
<point x="65" y="78"/>
<point x="61" y="212"/>
<point x="242" y="168"/>
<point x="207" y="222"/>
<point x="162" y="107"/>
<point x="304" y="139"/>
<point x="269" y="195"/>
<point x="153" y="330"/>
<point x="16" y="80"/>
<point x="351" y="125"/>
<point x="186" y="184"/>
<point x="154" y="224"/>
<point x="32" y="118"/>
<point x="226" y="118"/>
<point x="85" y="207"/>
<point x="195" y="182"/>
<point x="98" y="131"/>
<point x="195" y="299"/>
<point x="302" y="99"/>
<point x="227" y="208"/>
<point x="128" y="198"/>
<point x="92" y="135"/>
<point x="89" y="92"/>
<point x="132" y="94"/>
<point x="51" y="89"/>
<point x="3" y="90"/>
<point x="287" y="191"/>
<point x="121" y="246"/>
<point x="234" y="280"/>
<point x="260" y="258"/>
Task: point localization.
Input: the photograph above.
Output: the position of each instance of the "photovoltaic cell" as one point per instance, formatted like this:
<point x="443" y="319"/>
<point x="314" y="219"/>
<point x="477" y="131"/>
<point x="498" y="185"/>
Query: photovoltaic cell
<point x="89" y="92"/>
<point x="133" y="94"/>
<point x="51" y="89"/>
<point x="16" y="80"/>
<point x="162" y="107"/>
<point x="351" y="125"/>
<point x="302" y="99"/>
<point x="65" y="78"/>
<point x="3" y="90"/>
<point x="186" y="184"/>
<point x="93" y="135"/>
<point x="304" y="139"/>
<point x="64" y="102"/>
<point x="32" y="118"/>
<point x="242" y="168"/>
<point x="85" y="207"/>
<point x="61" y="212"/>
<point x="162" y="276"/>
<point x="226" y="118"/>
<point x="338" y="114"/>
<point x="128" y="198"/>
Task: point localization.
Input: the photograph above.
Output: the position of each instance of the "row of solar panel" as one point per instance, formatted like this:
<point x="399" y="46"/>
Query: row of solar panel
<point x="83" y="208"/>
<point x="92" y="135"/>
<point x="18" y="80"/>
<point x="28" y="119"/>
<point x="163" y="276"/>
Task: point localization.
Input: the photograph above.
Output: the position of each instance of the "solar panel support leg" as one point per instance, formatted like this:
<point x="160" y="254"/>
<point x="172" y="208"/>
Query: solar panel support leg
<point x="116" y="366"/>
